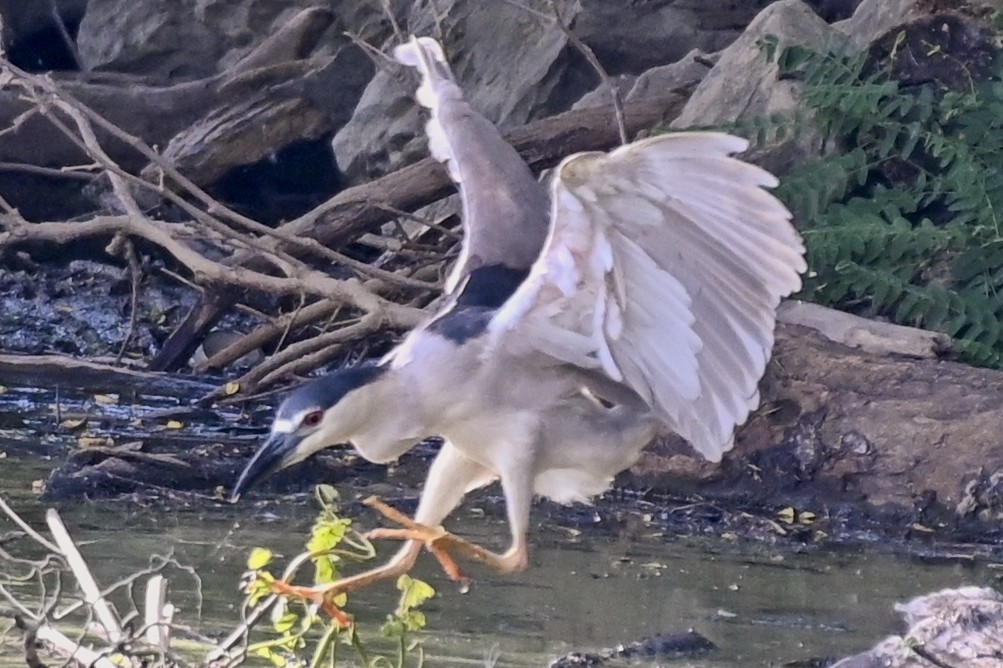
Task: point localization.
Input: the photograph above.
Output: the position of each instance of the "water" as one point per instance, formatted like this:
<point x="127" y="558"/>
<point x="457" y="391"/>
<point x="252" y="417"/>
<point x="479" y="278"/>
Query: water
<point x="586" y="588"/>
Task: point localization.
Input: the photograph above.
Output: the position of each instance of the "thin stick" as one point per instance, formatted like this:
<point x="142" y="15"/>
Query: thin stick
<point x="37" y="537"/>
<point x="88" y="585"/>
<point x="136" y="276"/>
<point x="157" y="613"/>
<point x="590" y="56"/>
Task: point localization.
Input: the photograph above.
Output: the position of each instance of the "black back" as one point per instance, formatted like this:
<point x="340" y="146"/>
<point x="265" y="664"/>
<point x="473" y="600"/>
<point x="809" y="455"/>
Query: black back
<point x="491" y="286"/>
<point x="486" y="289"/>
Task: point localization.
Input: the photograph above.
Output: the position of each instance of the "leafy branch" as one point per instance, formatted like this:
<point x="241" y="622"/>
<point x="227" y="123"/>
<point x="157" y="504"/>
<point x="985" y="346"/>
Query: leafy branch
<point x="332" y="543"/>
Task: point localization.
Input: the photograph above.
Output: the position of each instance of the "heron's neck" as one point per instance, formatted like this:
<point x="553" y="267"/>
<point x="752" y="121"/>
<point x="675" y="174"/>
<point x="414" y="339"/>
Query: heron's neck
<point x="390" y="418"/>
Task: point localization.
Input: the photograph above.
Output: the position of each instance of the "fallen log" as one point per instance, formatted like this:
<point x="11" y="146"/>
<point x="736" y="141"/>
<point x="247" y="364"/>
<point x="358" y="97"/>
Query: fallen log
<point x="914" y="439"/>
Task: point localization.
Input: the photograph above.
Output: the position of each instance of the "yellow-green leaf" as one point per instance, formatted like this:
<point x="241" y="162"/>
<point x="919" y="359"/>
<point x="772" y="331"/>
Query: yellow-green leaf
<point x="324" y="570"/>
<point x="231" y="389"/>
<point x="414" y="592"/>
<point x="259" y="558"/>
<point x="257" y="590"/>
<point x="414" y="620"/>
<point x="326" y="534"/>
<point x="286" y="622"/>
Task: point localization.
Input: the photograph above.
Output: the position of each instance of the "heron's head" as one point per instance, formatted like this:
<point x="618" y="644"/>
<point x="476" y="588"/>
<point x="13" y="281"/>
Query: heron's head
<point x="317" y="415"/>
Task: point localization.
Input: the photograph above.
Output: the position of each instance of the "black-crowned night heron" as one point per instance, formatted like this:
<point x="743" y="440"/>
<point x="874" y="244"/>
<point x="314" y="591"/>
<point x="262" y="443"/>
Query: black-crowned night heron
<point x="633" y="294"/>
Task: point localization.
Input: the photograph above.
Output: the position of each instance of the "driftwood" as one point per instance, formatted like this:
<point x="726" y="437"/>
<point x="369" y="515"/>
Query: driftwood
<point x="51" y="623"/>
<point x="36" y="369"/>
<point x="43" y="627"/>
<point x="223" y="231"/>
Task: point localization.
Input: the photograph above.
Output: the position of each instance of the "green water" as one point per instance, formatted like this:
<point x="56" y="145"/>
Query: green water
<point x="586" y="589"/>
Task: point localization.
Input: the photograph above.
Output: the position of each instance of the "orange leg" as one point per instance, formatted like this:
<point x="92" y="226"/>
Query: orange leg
<point x="324" y="595"/>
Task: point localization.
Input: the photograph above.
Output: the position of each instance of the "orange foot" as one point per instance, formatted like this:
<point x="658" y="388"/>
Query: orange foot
<point x="437" y="540"/>
<point x="440" y="543"/>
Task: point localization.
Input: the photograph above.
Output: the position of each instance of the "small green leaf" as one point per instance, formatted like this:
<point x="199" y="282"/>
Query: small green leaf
<point x="259" y="558"/>
<point x="286" y="622"/>
<point x="414" y="620"/>
<point x="393" y="627"/>
<point x="413" y="593"/>
<point x="257" y="590"/>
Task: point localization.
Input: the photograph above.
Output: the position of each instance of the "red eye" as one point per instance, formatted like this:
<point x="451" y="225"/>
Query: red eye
<point x="312" y="419"/>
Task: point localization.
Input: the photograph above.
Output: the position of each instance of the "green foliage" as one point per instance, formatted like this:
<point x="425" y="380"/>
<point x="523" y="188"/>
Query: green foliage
<point x="901" y="218"/>
<point x="298" y="625"/>
<point x="407" y="619"/>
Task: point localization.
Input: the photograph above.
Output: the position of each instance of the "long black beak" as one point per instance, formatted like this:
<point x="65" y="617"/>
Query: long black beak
<point x="270" y="457"/>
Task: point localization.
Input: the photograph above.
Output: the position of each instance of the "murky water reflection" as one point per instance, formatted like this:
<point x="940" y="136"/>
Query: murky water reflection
<point x="761" y="605"/>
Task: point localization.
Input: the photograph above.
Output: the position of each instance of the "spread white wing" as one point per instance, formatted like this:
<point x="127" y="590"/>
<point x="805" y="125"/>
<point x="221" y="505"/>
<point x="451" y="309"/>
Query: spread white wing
<point x="664" y="265"/>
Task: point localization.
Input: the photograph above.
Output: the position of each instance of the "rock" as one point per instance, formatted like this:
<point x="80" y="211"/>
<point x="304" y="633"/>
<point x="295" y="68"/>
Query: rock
<point x="630" y="37"/>
<point x="685" y="73"/>
<point x="508" y="62"/>
<point x="952" y="627"/>
<point x="600" y="96"/>
<point x="147" y="38"/>
<point x="688" y="71"/>
<point x="191" y="39"/>
<point x="743" y="84"/>
<point x="542" y="75"/>
<point x="874" y="18"/>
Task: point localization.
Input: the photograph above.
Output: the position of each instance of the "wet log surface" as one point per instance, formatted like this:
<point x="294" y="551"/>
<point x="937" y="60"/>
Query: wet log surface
<point x="845" y="431"/>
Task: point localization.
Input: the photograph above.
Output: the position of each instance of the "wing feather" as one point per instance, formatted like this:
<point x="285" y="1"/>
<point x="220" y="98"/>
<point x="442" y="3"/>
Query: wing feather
<point x="665" y="262"/>
<point x="502" y="225"/>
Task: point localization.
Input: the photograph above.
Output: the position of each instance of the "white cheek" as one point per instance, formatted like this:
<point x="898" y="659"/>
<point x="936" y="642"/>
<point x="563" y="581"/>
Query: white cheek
<point x="283" y="427"/>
